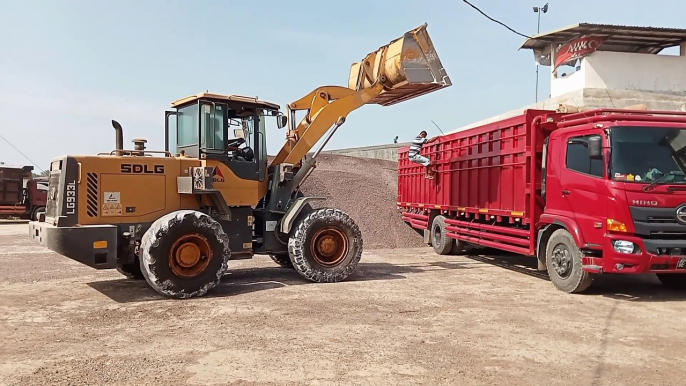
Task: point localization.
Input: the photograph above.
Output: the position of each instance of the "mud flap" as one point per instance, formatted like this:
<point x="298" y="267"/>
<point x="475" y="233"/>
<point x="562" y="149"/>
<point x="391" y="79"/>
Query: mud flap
<point x="292" y="212"/>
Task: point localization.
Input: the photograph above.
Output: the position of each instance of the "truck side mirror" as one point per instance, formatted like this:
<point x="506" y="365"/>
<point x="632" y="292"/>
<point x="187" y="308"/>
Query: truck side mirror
<point x="595" y="147"/>
<point x="281" y="121"/>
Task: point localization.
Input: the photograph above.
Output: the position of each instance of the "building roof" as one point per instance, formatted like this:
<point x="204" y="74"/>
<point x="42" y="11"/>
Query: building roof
<point x="621" y="38"/>
<point x="231" y="98"/>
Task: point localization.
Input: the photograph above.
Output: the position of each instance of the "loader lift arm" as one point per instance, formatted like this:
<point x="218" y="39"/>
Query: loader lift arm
<point x="405" y="68"/>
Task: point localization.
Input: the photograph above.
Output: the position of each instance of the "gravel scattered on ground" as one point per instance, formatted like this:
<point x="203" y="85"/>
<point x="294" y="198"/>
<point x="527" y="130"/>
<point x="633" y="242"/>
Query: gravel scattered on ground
<point x="405" y="317"/>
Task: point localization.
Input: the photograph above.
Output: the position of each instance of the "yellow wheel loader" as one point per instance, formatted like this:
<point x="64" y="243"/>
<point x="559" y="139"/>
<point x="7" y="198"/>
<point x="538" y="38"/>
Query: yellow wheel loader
<point x="177" y="217"/>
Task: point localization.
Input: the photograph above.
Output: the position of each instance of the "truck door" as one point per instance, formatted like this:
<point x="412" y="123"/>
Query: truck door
<point x="582" y="180"/>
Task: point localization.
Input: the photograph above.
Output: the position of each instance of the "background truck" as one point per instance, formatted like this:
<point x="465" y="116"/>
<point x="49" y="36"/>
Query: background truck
<point x="21" y="194"/>
<point x="600" y="191"/>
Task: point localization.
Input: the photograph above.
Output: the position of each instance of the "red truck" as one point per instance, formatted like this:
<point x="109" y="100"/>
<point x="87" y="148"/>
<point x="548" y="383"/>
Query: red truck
<point x="21" y="194"/>
<point x="600" y="191"/>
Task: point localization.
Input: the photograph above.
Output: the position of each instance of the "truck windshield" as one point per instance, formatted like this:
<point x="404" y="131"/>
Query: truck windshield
<point x="644" y="154"/>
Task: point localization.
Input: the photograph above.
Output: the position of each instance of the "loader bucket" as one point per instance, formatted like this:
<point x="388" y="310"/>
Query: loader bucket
<point x="408" y="67"/>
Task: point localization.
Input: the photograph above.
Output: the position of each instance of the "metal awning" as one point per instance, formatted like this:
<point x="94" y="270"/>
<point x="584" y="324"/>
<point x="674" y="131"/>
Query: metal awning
<point x="649" y="40"/>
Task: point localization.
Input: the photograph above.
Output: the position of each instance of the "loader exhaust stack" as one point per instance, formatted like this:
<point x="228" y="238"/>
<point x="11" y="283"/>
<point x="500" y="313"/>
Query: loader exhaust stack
<point x="408" y="67"/>
<point x="119" y="144"/>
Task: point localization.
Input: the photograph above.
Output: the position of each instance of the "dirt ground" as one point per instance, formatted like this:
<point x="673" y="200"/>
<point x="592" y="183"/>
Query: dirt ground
<point x="407" y="317"/>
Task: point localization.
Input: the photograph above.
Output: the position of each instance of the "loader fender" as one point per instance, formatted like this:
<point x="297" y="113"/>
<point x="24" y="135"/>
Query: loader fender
<point x="293" y="211"/>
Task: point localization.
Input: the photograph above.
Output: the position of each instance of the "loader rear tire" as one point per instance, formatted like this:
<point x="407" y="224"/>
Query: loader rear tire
<point x="441" y="243"/>
<point x="184" y="254"/>
<point x="283" y="260"/>
<point x="325" y="246"/>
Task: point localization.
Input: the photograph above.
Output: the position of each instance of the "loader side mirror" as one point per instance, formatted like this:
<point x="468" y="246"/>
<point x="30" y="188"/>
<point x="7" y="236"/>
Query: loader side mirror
<point x="281" y="121"/>
<point x="595" y="147"/>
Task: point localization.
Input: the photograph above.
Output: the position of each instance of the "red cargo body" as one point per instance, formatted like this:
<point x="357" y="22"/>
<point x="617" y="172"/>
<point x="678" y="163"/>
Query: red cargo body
<point x="614" y="202"/>
<point x="491" y="172"/>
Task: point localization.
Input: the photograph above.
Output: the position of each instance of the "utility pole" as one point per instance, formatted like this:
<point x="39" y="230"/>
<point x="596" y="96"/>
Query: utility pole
<point x="538" y="10"/>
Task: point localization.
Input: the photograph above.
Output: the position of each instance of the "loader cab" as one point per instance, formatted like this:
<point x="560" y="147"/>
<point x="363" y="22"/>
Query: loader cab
<point x="226" y="128"/>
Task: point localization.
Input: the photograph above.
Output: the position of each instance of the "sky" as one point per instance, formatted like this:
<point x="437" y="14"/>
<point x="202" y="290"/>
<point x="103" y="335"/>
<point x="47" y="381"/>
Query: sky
<point x="67" y="68"/>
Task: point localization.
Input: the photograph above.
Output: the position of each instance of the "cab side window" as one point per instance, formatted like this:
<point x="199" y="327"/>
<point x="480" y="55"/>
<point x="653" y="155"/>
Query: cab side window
<point x="579" y="160"/>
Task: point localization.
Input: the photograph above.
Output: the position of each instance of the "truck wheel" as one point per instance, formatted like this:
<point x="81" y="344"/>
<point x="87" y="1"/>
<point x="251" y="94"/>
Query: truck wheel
<point x="441" y="243"/>
<point x="563" y="258"/>
<point x="36" y="213"/>
<point x="184" y="254"/>
<point x="283" y="260"/>
<point x="325" y="246"/>
<point x="673" y="281"/>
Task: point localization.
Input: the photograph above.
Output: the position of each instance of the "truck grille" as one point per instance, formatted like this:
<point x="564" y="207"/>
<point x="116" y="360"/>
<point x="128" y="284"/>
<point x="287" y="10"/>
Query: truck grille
<point x="658" y="223"/>
<point x="92" y="195"/>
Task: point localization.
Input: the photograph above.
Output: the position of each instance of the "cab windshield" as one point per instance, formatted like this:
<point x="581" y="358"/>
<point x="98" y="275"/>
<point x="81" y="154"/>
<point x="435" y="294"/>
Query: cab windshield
<point x="645" y="154"/>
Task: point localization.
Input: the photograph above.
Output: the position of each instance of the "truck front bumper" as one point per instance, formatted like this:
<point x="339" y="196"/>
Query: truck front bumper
<point x="92" y="245"/>
<point x="649" y="256"/>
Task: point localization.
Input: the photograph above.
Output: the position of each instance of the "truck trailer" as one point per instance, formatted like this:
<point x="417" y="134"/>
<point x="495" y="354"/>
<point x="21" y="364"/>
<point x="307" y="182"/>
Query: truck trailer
<point x="589" y="193"/>
<point x="21" y="194"/>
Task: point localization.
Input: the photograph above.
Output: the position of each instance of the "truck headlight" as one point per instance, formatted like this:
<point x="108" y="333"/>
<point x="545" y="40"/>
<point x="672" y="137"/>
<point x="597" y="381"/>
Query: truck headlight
<point x="623" y="246"/>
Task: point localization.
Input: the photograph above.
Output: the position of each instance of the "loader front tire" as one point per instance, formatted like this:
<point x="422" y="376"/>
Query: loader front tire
<point x="325" y="246"/>
<point x="184" y="254"/>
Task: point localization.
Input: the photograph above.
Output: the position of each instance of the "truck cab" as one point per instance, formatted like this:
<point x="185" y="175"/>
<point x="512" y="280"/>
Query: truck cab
<point x="616" y="181"/>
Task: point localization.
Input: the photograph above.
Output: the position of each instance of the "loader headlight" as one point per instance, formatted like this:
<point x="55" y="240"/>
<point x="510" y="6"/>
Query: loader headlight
<point x="623" y="246"/>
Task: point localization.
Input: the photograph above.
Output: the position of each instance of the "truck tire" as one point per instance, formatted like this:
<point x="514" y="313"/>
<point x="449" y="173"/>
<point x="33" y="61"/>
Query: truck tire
<point x="441" y="243"/>
<point x="284" y="260"/>
<point x="673" y="281"/>
<point x="563" y="258"/>
<point x="184" y="254"/>
<point x="36" y="213"/>
<point x="325" y="246"/>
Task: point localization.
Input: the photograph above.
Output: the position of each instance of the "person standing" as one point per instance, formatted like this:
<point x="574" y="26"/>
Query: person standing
<point x="416" y="157"/>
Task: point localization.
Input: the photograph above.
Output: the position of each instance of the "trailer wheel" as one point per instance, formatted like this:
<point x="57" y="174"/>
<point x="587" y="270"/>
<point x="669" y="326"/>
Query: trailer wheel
<point x="673" y="281"/>
<point x="326" y="246"/>
<point x="283" y="260"/>
<point x="564" y="262"/>
<point x="184" y="254"/>
<point x="441" y="243"/>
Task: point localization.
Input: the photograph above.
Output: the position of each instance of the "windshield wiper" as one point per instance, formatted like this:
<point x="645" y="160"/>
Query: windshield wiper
<point x="662" y="178"/>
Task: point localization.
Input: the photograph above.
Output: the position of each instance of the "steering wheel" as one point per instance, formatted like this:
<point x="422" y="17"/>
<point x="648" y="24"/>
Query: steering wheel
<point x="236" y="142"/>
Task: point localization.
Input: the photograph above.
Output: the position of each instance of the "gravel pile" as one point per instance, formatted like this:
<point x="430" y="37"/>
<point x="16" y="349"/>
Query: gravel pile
<point x="366" y="189"/>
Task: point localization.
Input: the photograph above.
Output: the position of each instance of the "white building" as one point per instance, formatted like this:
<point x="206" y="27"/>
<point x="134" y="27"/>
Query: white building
<point x="623" y="70"/>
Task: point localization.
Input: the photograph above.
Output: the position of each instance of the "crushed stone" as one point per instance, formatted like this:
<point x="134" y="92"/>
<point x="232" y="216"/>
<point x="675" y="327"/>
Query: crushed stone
<point x="366" y="189"/>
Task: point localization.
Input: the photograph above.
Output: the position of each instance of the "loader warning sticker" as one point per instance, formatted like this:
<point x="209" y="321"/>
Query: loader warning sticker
<point x="112" y="197"/>
<point x="111" y="210"/>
